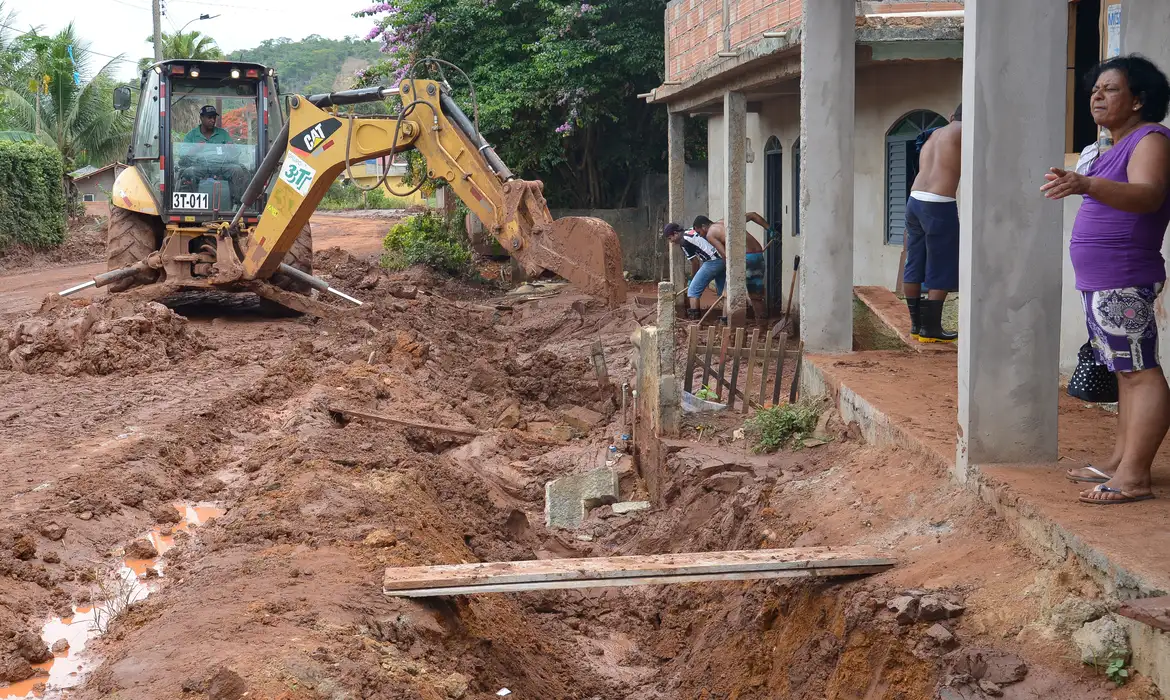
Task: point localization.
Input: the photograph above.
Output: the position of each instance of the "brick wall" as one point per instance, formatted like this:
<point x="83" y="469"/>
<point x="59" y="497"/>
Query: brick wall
<point x="694" y="28"/>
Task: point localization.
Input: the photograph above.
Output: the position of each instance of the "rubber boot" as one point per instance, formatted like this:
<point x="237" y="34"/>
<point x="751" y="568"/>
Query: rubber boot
<point x="915" y="306"/>
<point x="694" y="315"/>
<point x="931" y="330"/>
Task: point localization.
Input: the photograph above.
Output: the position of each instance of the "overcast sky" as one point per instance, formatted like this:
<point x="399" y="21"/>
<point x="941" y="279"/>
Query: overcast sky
<point x="116" y="27"/>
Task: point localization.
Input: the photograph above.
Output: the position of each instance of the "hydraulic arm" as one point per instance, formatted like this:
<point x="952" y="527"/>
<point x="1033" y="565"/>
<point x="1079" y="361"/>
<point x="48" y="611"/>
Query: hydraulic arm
<point x="316" y="145"/>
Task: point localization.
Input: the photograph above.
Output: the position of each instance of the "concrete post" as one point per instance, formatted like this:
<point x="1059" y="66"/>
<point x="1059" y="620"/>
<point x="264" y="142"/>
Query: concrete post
<point x="677" y="177"/>
<point x="735" y="207"/>
<point x="828" y="72"/>
<point x="666" y="327"/>
<point x="1010" y="247"/>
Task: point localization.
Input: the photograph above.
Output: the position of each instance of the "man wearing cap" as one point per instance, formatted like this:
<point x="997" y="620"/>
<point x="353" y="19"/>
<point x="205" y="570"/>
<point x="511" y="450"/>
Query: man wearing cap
<point x="208" y="159"/>
<point x="207" y="131"/>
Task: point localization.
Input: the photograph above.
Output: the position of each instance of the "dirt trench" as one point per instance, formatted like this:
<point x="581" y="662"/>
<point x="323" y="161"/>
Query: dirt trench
<point x="280" y="596"/>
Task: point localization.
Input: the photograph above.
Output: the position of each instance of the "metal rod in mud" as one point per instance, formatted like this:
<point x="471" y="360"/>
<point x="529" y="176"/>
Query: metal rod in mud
<point x="315" y="282"/>
<point x="77" y="288"/>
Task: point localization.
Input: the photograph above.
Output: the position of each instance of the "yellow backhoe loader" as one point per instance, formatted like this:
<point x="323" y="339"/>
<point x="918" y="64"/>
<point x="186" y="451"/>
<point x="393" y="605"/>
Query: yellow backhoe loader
<point x="223" y="184"/>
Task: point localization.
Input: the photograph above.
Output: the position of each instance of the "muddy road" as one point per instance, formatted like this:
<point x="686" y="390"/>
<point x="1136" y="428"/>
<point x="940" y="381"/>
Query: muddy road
<point x="22" y="290"/>
<point x="129" y="430"/>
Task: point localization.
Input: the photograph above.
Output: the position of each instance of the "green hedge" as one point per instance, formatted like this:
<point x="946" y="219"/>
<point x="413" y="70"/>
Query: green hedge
<point x="32" y="195"/>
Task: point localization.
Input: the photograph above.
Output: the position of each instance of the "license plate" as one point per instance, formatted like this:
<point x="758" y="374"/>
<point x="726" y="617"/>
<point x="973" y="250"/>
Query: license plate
<point x="189" y="200"/>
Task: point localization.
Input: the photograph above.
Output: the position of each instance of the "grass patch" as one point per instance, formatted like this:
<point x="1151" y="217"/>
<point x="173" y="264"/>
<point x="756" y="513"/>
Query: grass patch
<point x="432" y="240"/>
<point x="345" y="196"/>
<point x="774" y="428"/>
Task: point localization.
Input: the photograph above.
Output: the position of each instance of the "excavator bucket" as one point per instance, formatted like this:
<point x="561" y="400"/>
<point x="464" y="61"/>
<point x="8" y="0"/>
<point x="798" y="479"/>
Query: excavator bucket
<point x="588" y="255"/>
<point x="582" y="249"/>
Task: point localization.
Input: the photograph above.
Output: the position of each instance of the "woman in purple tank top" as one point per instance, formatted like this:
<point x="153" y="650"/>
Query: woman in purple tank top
<point x="1116" y="255"/>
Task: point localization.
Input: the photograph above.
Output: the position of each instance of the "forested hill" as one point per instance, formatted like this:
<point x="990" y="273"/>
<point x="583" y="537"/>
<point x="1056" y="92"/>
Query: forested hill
<point x="313" y="64"/>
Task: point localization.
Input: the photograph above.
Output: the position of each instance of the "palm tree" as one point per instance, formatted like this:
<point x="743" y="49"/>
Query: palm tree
<point x="192" y="44"/>
<point x="46" y="96"/>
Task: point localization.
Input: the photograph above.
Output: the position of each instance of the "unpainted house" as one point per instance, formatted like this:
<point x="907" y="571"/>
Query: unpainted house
<point x="723" y="56"/>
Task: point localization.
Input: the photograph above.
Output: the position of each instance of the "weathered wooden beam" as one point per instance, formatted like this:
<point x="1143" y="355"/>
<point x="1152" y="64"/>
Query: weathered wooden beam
<point x="656" y="569"/>
<point x="470" y="432"/>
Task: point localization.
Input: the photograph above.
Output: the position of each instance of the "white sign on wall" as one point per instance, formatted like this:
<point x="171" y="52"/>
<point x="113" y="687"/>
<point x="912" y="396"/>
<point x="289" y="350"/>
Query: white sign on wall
<point x="1113" y="25"/>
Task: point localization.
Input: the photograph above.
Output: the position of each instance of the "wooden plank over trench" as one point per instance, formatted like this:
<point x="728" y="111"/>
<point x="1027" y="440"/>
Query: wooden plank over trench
<point x="502" y="577"/>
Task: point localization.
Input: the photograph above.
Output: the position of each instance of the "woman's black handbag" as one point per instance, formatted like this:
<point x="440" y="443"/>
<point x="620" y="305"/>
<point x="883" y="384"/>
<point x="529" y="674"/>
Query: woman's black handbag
<point x="1090" y="381"/>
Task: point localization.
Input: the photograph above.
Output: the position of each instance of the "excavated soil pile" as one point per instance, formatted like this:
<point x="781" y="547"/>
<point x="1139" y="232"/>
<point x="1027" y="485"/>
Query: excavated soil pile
<point x="98" y="338"/>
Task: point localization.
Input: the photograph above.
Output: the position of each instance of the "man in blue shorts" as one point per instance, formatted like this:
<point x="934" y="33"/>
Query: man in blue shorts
<point x="932" y="231"/>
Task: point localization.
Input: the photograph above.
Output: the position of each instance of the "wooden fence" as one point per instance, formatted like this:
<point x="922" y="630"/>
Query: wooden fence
<point x="761" y="360"/>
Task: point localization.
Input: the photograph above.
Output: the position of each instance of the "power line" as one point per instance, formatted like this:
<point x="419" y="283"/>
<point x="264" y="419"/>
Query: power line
<point x="136" y="7"/>
<point x="221" y="4"/>
<point x="91" y="51"/>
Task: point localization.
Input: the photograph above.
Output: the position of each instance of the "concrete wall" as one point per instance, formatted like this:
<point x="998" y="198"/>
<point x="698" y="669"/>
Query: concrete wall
<point x="639" y="228"/>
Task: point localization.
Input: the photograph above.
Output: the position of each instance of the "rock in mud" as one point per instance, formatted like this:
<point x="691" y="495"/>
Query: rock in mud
<point x="60" y="646"/>
<point x="53" y="530"/>
<point x="141" y="549"/>
<point x="15" y="669"/>
<point x="932" y="608"/>
<point x="31" y="647"/>
<point x="99" y="337"/>
<point x="510" y="417"/>
<point x="1072" y="613"/>
<point x="380" y="538"/>
<point x="905" y="609"/>
<point x="581" y="419"/>
<point x="166" y="515"/>
<point x="24" y="548"/>
<point x="626" y="507"/>
<point x="991" y="689"/>
<point x="942" y="637"/>
<point x="226" y="684"/>
<point x="997" y="667"/>
<point x="453" y="686"/>
<point x="51" y="558"/>
<point x="724" y="482"/>
<point x="1101" y="641"/>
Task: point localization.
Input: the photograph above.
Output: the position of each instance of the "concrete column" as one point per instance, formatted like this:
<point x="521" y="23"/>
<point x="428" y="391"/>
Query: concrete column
<point x="735" y="207"/>
<point x="677" y="177"/>
<point x="827" y="95"/>
<point x="1010" y="247"/>
<point x="666" y="327"/>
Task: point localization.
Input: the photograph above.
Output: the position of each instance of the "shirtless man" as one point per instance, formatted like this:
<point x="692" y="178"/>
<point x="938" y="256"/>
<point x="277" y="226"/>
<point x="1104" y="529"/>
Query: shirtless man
<point x="932" y="231"/>
<point x="705" y="245"/>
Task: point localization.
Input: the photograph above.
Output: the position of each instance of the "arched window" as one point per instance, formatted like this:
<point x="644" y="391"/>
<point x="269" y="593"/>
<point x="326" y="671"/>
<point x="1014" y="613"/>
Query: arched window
<point x="902" y="167"/>
<point x="796" y="188"/>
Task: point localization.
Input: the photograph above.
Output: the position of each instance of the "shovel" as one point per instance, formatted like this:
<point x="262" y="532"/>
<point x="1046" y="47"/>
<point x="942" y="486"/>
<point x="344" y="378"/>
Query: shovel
<point x="785" y="321"/>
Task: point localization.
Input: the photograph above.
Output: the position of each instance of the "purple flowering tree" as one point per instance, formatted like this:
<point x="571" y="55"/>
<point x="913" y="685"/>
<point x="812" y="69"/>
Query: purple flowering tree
<point x="557" y="83"/>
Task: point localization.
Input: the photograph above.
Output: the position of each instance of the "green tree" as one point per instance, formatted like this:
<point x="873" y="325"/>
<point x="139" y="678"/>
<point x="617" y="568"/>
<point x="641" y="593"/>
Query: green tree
<point x="557" y="84"/>
<point x="192" y="44"/>
<point x="48" y="94"/>
<point x="313" y="64"/>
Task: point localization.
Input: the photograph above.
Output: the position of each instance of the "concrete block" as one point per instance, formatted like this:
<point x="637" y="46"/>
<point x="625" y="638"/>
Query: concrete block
<point x="567" y="500"/>
<point x="581" y="418"/>
<point x="630" y="507"/>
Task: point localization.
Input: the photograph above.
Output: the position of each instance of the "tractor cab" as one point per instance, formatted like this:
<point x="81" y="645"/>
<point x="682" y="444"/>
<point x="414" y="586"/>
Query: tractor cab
<point x="201" y="131"/>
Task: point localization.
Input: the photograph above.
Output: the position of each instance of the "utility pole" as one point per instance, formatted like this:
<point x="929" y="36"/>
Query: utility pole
<point x="157" y="13"/>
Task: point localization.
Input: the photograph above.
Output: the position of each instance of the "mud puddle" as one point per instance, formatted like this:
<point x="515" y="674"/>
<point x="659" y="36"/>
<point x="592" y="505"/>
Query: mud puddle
<point x="132" y="581"/>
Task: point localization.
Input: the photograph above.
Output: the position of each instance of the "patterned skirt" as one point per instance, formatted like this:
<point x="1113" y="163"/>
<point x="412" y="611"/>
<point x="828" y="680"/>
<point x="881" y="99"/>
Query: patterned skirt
<point x="1122" y="327"/>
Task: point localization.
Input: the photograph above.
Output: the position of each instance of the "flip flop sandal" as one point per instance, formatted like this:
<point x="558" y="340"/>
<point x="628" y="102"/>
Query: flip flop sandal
<point x="1101" y="477"/>
<point x="1125" y="497"/>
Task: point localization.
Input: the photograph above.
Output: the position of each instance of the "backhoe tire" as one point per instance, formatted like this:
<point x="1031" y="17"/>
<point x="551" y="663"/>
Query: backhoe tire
<point x="130" y="238"/>
<point x="299" y="256"/>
